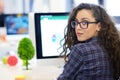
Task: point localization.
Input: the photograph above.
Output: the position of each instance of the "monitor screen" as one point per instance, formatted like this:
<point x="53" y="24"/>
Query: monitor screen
<point x="49" y="30"/>
<point x="16" y="25"/>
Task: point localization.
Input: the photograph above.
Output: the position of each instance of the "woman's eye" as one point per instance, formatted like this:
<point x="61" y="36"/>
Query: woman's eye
<point x="84" y="22"/>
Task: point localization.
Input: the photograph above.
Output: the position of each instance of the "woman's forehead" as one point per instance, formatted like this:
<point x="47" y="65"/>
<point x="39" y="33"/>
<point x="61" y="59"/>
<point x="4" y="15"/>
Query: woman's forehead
<point x="84" y="15"/>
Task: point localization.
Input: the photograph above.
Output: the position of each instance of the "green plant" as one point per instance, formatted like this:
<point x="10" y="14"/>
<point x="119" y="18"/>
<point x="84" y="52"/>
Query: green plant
<point x="26" y="51"/>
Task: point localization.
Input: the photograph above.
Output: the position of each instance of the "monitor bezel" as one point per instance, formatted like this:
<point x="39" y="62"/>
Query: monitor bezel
<point x="2" y="23"/>
<point x="38" y="36"/>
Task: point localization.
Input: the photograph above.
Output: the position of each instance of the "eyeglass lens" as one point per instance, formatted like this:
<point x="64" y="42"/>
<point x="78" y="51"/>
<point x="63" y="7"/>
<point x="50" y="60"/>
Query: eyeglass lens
<point x="83" y="24"/>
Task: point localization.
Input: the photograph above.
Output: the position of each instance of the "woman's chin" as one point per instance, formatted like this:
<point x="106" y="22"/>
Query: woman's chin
<point x="81" y="39"/>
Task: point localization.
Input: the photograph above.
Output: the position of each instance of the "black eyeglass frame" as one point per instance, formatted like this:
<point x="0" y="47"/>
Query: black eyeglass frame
<point x="83" y="22"/>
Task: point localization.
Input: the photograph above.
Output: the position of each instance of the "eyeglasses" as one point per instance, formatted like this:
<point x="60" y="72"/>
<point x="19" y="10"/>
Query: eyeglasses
<point x="83" y="24"/>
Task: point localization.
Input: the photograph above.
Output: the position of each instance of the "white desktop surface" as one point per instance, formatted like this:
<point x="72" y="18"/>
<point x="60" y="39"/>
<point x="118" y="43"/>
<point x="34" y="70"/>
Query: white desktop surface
<point x="40" y="70"/>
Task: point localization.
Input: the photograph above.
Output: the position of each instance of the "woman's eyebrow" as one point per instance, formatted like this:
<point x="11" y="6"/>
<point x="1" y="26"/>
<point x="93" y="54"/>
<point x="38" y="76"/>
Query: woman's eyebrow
<point x="81" y="19"/>
<point x="84" y="19"/>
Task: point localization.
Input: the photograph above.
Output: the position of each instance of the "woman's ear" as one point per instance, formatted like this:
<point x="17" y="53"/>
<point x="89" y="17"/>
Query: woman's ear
<point x="98" y="26"/>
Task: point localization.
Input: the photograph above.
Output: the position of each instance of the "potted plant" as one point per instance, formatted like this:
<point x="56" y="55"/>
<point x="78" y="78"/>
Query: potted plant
<point x="26" y="51"/>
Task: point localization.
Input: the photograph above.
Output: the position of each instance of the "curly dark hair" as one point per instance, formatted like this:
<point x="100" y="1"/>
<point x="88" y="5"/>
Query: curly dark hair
<point x="108" y="36"/>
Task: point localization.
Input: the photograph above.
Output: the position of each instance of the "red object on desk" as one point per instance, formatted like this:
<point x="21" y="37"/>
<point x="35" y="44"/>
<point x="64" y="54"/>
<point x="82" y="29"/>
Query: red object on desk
<point x="12" y="60"/>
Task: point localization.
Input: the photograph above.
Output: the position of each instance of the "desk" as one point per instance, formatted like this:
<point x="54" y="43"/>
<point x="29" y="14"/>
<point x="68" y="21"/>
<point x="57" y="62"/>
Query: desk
<point x="39" y="71"/>
<point x="42" y="69"/>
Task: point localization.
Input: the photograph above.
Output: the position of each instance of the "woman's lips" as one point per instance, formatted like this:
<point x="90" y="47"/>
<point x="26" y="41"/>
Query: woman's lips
<point x="79" y="34"/>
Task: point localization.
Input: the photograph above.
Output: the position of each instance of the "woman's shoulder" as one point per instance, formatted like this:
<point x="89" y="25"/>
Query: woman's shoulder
<point x="91" y="45"/>
<point x="86" y="45"/>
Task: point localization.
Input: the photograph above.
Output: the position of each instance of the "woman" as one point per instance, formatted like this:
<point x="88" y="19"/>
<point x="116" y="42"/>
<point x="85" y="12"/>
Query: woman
<point x="94" y="45"/>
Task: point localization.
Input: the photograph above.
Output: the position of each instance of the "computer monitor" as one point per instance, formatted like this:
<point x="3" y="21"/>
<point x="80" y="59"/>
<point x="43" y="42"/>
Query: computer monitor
<point x="16" y="25"/>
<point x="49" y="31"/>
<point x="2" y="20"/>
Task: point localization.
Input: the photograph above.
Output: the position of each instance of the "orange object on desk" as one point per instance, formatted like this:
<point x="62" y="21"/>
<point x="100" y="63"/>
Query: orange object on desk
<point x="3" y="38"/>
<point x="22" y="77"/>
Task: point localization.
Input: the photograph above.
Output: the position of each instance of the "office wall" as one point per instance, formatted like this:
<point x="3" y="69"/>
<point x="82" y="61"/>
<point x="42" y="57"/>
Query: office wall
<point x="112" y="7"/>
<point x="52" y="5"/>
<point x="26" y="6"/>
<point x="13" y="6"/>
